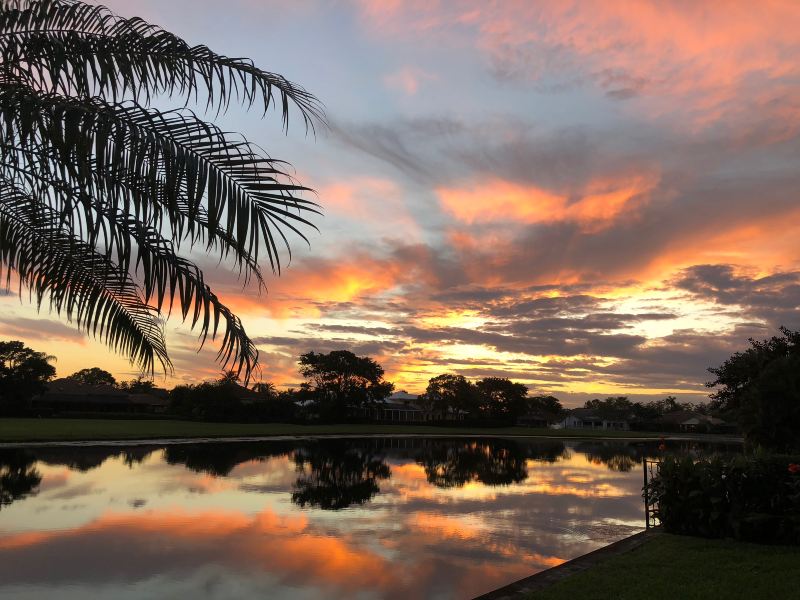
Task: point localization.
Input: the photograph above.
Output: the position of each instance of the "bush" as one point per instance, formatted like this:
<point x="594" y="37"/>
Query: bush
<point x="752" y="498"/>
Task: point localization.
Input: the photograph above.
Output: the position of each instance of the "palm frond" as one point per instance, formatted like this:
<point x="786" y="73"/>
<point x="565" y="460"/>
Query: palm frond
<point x="97" y="188"/>
<point x="166" y="277"/>
<point x="192" y="167"/>
<point x="81" y="284"/>
<point x="80" y="49"/>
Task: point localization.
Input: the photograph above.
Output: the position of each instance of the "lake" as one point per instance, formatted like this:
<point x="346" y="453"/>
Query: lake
<point x="313" y="518"/>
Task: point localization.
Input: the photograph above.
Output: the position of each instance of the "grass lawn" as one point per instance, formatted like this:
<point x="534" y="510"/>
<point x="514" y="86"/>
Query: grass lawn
<point x="24" y="430"/>
<point x="671" y="566"/>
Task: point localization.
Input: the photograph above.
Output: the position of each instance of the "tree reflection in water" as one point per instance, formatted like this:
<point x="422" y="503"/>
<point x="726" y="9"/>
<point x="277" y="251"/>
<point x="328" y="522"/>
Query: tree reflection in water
<point x="220" y="458"/>
<point x="617" y="457"/>
<point x="335" y="474"/>
<point x="18" y="476"/>
<point x="86" y="458"/>
<point x="453" y="464"/>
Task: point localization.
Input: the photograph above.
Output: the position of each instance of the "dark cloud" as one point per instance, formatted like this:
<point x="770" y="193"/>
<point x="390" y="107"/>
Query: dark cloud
<point x="39" y="329"/>
<point x="300" y="345"/>
<point x="774" y="299"/>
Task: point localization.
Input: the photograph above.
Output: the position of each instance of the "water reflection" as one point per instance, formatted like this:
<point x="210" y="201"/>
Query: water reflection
<point x="220" y="458"/>
<point x="368" y="518"/>
<point x="454" y="464"/>
<point x="336" y="474"/>
<point x="18" y="476"/>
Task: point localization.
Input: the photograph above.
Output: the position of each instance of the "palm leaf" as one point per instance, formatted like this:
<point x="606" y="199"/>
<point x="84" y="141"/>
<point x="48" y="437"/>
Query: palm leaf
<point x="82" y="284"/>
<point x="97" y="188"/>
<point x="83" y="49"/>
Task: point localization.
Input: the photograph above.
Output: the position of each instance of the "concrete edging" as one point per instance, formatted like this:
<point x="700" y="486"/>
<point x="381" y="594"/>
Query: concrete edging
<point x="548" y="577"/>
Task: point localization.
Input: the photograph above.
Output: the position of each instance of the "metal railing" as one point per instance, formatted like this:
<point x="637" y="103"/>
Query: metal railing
<point x="650" y="469"/>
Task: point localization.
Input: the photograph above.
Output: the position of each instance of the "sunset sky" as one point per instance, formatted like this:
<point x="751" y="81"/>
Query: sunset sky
<point x="592" y="198"/>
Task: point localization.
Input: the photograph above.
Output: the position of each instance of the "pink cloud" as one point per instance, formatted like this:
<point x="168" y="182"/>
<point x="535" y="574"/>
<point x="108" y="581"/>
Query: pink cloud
<point x="407" y="80"/>
<point x="704" y="60"/>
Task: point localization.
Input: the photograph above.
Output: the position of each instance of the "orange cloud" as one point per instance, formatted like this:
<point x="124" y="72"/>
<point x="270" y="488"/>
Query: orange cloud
<point x="237" y="538"/>
<point x="342" y="279"/>
<point x="594" y="208"/>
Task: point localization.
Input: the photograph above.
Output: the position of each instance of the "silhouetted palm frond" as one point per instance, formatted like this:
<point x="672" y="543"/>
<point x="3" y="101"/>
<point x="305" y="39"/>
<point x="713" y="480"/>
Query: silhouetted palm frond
<point x="98" y="189"/>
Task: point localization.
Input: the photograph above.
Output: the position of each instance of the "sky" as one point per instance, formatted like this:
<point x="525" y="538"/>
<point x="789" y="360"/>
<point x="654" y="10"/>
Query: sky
<point x="592" y="198"/>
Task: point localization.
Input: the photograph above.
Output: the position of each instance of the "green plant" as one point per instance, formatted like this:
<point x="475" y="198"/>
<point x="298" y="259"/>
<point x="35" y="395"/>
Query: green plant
<point x="753" y="498"/>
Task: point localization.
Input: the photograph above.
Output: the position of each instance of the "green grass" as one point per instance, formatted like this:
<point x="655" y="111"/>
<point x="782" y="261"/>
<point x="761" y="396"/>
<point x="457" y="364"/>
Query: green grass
<point x="671" y="567"/>
<point x="28" y="430"/>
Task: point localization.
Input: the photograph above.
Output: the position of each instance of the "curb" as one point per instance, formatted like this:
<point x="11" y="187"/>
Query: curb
<point x="548" y="577"/>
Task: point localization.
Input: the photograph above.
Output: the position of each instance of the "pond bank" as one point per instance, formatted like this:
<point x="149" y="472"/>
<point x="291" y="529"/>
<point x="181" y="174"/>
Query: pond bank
<point x="18" y="431"/>
<point x="545" y="579"/>
<point x="660" y="566"/>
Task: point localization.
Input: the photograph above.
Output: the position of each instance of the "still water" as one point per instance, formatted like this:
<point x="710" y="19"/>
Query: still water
<point x="326" y="518"/>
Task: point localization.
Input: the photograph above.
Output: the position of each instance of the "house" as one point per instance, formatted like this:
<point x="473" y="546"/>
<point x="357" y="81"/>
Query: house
<point x="690" y="421"/>
<point x="590" y="418"/>
<point x="67" y="395"/>
<point x="399" y="412"/>
<point x="400" y="407"/>
<point x="539" y="419"/>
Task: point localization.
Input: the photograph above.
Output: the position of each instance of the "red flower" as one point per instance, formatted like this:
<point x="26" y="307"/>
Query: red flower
<point x="794" y="468"/>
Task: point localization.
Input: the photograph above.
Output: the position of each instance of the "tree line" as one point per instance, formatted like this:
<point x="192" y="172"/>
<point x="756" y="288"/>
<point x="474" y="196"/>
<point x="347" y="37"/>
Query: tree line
<point x="759" y="388"/>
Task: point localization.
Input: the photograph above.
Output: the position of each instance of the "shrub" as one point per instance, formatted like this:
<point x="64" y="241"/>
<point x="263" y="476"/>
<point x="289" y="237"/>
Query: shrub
<point x="753" y="498"/>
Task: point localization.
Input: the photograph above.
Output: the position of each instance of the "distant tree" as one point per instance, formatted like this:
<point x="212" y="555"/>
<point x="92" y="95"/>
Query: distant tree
<point x="340" y="379"/>
<point x="612" y="406"/>
<point x="93" y="376"/>
<point x="544" y="404"/>
<point x="207" y="401"/>
<point x="651" y="411"/>
<point x="23" y="374"/>
<point x="760" y="387"/>
<point x="270" y="405"/>
<point x="228" y="378"/>
<point x="265" y="389"/>
<point x="448" y="394"/>
<point x="501" y="398"/>
<point x="139" y="385"/>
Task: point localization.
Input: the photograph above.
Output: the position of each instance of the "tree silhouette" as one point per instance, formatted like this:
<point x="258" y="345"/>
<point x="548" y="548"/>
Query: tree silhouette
<point x="94" y="376"/>
<point x="100" y="191"/>
<point x="340" y="379"/>
<point x="23" y="374"/>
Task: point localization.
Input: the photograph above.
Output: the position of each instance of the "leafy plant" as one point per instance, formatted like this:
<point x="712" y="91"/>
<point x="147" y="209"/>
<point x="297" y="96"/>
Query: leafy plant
<point x="100" y="191"/>
<point x="755" y="498"/>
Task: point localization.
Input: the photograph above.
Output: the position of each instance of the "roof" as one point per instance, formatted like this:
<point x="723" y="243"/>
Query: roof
<point x="147" y="399"/>
<point x="592" y="414"/>
<point x="399" y="406"/>
<point x="690" y="417"/>
<point x="401" y="397"/>
<point x="69" y="390"/>
<point x="541" y="415"/>
<point x="70" y="387"/>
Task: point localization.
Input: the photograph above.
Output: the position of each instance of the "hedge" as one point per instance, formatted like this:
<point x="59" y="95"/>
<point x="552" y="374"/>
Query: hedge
<point x="751" y="498"/>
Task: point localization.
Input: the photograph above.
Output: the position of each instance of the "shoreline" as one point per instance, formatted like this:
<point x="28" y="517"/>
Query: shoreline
<point x="537" y="582"/>
<point x="86" y="432"/>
